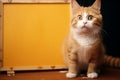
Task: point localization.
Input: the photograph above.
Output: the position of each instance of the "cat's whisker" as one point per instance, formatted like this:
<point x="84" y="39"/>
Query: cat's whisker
<point x="106" y="33"/>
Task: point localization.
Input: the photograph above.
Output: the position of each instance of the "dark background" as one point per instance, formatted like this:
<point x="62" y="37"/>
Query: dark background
<point x="111" y="23"/>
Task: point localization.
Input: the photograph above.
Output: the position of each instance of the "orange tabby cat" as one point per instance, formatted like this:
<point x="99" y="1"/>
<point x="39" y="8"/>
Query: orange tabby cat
<point x="83" y="47"/>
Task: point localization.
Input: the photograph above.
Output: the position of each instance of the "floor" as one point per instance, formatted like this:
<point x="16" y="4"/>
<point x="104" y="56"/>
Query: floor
<point x="107" y="74"/>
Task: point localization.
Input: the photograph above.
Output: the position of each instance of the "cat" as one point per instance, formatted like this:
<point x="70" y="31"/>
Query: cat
<point x="83" y="47"/>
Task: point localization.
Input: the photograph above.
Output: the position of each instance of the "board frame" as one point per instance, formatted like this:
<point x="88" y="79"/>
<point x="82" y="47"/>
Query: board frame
<point x="35" y="1"/>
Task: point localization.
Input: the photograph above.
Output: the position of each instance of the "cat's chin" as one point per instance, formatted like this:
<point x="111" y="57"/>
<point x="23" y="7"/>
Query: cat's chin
<point x="83" y="31"/>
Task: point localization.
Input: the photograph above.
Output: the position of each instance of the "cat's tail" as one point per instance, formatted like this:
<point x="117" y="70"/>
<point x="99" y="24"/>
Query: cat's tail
<point x="111" y="61"/>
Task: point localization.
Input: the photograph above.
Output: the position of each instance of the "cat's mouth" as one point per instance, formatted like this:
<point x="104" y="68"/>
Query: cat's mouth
<point x="84" y="27"/>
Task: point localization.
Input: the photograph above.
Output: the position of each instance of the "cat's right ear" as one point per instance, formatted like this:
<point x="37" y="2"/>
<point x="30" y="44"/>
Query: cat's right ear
<point x="74" y="5"/>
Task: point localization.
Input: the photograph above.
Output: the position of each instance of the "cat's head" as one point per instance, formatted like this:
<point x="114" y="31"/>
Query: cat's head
<point x="86" y="20"/>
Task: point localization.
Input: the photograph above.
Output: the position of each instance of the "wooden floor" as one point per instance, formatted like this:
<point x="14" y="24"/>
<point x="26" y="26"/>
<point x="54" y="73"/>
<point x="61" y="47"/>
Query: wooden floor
<point x="107" y="74"/>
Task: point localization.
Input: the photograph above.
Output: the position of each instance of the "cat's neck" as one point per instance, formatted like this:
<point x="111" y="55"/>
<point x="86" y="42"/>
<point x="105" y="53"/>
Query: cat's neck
<point x="85" y="39"/>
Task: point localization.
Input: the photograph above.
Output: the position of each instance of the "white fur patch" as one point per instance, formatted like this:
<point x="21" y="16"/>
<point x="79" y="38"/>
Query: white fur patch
<point x="84" y="40"/>
<point x="71" y="75"/>
<point x="92" y="75"/>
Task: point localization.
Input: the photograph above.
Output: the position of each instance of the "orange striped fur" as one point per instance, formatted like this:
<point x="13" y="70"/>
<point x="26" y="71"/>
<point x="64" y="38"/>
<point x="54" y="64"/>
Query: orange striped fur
<point x="83" y="47"/>
<point x="111" y="61"/>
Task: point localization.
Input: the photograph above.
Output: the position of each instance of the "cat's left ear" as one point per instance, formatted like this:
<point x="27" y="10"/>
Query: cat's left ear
<point x="97" y="5"/>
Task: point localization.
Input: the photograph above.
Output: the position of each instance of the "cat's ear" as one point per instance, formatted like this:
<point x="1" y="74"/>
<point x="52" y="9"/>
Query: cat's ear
<point x="97" y="5"/>
<point x="74" y="5"/>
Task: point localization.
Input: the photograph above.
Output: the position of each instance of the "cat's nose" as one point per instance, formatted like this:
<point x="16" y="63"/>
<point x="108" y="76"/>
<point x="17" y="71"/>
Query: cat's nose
<point x="85" y="22"/>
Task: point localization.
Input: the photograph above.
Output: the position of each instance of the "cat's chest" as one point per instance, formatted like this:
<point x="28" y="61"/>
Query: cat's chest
<point x="84" y="41"/>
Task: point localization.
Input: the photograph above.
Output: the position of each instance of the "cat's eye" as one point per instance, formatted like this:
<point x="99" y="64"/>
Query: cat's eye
<point x="90" y="17"/>
<point x="79" y="17"/>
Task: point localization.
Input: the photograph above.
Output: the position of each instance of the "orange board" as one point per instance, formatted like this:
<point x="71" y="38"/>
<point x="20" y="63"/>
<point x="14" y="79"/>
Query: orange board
<point x="33" y="34"/>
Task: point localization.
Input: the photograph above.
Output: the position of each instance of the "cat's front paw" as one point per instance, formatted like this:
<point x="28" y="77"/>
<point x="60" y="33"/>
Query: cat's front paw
<point x="71" y="75"/>
<point x="92" y="75"/>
